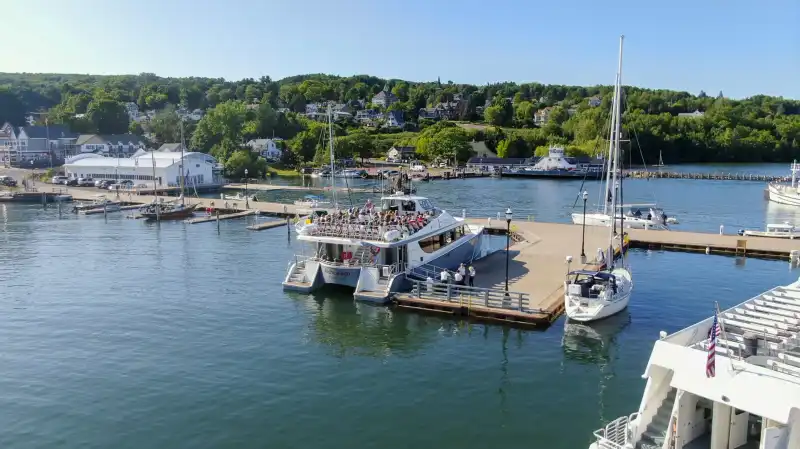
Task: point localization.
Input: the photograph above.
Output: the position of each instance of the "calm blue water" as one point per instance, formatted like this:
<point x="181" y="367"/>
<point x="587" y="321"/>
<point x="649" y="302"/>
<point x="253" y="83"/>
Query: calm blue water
<point x="122" y="334"/>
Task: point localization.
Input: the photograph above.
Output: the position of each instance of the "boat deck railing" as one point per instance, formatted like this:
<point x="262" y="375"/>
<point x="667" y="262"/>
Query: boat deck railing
<point x="616" y="434"/>
<point x="473" y="296"/>
<point x="364" y="231"/>
<point x="767" y="327"/>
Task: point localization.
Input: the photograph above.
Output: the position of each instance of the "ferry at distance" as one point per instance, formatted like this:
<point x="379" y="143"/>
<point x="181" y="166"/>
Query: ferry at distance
<point x="373" y="248"/>
<point x="731" y="381"/>
<point x="557" y="165"/>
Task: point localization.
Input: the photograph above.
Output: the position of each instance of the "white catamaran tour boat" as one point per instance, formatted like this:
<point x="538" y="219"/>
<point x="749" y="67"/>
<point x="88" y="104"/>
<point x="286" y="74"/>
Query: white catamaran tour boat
<point x="593" y="295"/>
<point x="785" y="194"/>
<point x="374" y="247"/>
<point x="731" y="381"/>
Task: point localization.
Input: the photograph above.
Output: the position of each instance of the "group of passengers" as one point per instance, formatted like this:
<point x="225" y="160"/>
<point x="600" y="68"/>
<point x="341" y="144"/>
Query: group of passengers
<point x="353" y="222"/>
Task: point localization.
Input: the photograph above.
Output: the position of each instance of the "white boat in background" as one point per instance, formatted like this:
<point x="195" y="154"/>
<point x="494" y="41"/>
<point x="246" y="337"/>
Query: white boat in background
<point x="593" y="295"/>
<point x="729" y="381"/>
<point x="774" y="230"/>
<point x="350" y="173"/>
<point x="99" y="202"/>
<point x="785" y="194"/>
<point x="653" y="218"/>
<point x="312" y="201"/>
<point x="238" y="197"/>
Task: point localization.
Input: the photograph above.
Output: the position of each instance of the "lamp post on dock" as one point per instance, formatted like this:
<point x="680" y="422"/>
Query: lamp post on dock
<point x="583" y="231"/>
<point x="246" y="196"/>
<point x="508" y="242"/>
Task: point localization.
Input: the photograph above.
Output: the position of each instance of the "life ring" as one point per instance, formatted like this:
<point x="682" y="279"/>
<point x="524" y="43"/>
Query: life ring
<point x="375" y="250"/>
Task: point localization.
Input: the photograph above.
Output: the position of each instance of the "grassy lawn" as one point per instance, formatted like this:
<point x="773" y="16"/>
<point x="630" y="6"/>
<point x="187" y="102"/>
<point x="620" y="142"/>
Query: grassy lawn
<point x="283" y="172"/>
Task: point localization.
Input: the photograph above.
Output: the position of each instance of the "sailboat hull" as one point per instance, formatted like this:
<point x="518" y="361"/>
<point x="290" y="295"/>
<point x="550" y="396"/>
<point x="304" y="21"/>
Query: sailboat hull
<point x="179" y="214"/>
<point x="629" y="222"/>
<point x="584" y="310"/>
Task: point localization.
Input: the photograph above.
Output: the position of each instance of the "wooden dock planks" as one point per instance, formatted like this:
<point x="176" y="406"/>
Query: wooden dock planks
<point x="267" y="225"/>
<point x="210" y="218"/>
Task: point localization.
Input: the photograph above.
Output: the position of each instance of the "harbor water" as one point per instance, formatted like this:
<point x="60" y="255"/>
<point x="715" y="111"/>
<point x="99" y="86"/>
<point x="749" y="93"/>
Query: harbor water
<point x="118" y="333"/>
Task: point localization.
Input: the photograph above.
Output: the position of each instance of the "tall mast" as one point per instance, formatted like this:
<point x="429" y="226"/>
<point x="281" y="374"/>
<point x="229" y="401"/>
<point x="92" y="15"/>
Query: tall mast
<point x="610" y="157"/>
<point x="155" y="187"/>
<point x="183" y="201"/>
<point x="615" y="152"/>
<point x="330" y="143"/>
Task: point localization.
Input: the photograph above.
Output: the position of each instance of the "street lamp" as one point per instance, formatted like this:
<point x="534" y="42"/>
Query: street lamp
<point x="246" y="196"/>
<point x="508" y="242"/>
<point x="583" y="231"/>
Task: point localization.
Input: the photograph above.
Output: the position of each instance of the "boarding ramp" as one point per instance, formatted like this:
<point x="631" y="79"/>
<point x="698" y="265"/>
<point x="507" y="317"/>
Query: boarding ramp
<point x="464" y="296"/>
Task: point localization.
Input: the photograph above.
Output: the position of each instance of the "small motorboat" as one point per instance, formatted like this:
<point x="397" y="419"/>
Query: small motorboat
<point x="238" y="197"/>
<point x="100" y="202"/>
<point x="312" y="201"/>
<point x="774" y="230"/>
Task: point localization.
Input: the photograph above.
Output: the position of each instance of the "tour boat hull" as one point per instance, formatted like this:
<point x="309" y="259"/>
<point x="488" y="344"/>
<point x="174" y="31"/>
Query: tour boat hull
<point x="783" y="194"/>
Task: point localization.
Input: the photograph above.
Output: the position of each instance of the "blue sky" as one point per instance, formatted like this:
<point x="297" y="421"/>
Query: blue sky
<point x="741" y="47"/>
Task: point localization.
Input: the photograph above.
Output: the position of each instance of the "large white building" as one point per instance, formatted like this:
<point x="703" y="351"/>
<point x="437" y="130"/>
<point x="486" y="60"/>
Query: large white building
<point x="200" y="168"/>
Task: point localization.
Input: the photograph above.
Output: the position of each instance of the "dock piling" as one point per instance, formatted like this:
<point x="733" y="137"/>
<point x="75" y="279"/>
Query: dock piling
<point x="217" y="213"/>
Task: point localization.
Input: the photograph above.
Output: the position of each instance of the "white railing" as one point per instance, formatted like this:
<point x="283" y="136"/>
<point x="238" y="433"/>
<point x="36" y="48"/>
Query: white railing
<point x="473" y="296"/>
<point x="615" y="435"/>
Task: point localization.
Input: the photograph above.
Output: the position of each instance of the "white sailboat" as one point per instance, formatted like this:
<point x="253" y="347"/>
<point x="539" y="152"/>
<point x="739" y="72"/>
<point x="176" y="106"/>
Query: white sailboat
<point x="593" y="295"/>
<point x="785" y="194"/>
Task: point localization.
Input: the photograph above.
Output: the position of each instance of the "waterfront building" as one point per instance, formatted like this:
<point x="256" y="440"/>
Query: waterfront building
<point x="108" y="145"/>
<point x="201" y="169"/>
<point x="35" y="143"/>
<point x="401" y="153"/>
<point x="267" y="148"/>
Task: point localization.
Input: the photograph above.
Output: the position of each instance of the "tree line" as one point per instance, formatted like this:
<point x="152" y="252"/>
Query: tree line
<point x="756" y="129"/>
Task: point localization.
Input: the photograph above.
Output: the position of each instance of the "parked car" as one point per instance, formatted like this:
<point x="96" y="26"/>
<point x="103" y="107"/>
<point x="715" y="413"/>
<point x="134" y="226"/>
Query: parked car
<point x="58" y="179"/>
<point x="99" y="183"/>
<point x="442" y="165"/>
<point x="86" y="182"/>
<point x="126" y="184"/>
<point x="71" y="182"/>
<point x="103" y="184"/>
<point x="8" y="181"/>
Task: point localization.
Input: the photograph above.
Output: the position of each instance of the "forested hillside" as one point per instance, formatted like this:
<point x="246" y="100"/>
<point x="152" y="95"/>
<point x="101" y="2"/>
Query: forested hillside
<point x="756" y="129"/>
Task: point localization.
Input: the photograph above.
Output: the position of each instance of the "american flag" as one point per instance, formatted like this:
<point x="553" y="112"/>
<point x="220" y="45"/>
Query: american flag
<point x="713" y="333"/>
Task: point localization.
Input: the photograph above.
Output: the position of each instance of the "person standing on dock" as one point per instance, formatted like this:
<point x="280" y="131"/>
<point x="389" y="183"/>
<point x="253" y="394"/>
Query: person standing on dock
<point x="471" y="273"/>
<point x="444" y="276"/>
<point x="462" y="270"/>
<point x="459" y="278"/>
<point x="429" y="284"/>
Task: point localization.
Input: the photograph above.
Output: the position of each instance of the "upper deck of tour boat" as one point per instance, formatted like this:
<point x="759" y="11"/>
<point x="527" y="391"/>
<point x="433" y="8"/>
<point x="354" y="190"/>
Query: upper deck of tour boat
<point x="758" y="355"/>
<point x="396" y="220"/>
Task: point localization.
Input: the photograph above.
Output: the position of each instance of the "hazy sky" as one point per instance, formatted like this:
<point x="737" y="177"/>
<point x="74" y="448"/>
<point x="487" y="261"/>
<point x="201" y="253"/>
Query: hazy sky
<point x="741" y="47"/>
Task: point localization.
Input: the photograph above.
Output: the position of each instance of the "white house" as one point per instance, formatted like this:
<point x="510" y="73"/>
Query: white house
<point x="367" y="115"/>
<point x="695" y="114"/>
<point x="541" y="116"/>
<point x="117" y="144"/>
<point x="595" y="101"/>
<point x="26" y="143"/>
<point x="394" y="119"/>
<point x="401" y="153"/>
<point x="266" y="148"/>
<point x="199" y="168"/>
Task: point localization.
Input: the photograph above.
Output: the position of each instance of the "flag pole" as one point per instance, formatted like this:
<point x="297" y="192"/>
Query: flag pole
<point x="721" y="325"/>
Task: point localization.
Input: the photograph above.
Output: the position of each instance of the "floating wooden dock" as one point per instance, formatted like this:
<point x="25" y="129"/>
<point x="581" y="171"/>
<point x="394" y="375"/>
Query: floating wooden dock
<point x="100" y="210"/>
<point x="267" y="225"/>
<point x="707" y="176"/>
<point x="274" y="187"/>
<point x="210" y="218"/>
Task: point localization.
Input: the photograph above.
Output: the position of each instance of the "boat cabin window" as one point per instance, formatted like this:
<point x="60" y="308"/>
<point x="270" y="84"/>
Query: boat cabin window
<point x="437" y="242"/>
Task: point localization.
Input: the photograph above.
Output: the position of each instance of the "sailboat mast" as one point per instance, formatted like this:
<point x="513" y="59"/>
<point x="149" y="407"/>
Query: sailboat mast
<point x="615" y="146"/>
<point x="183" y="201"/>
<point x="155" y="187"/>
<point x="330" y="143"/>
<point x="610" y="158"/>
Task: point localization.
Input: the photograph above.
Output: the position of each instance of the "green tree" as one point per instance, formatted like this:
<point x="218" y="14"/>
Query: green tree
<point x="502" y="148"/>
<point x="494" y="115"/>
<point x="108" y="116"/>
<point x="240" y="160"/>
<point x="136" y="128"/>
<point x="450" y="143"/>
<point x="221" y="124"/>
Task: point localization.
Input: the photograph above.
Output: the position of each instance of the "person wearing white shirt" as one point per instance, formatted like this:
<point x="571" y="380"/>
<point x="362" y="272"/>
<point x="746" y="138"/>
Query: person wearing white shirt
<point x="462" y="271"/>
<point x="429" y="284"/>
<point x="459" y="278"/>
<point x="444" y="276"/>
<point x="471" y="272"/>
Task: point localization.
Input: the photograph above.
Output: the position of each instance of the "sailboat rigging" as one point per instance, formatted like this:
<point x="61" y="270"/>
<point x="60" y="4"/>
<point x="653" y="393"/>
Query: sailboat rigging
<point x="591" y="295"/>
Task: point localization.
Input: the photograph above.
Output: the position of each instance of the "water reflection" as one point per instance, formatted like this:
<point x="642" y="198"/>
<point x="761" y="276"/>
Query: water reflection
<point x="781" y="213"/>
<point x="349" y="328"/>
<point x="594" y="344"/>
